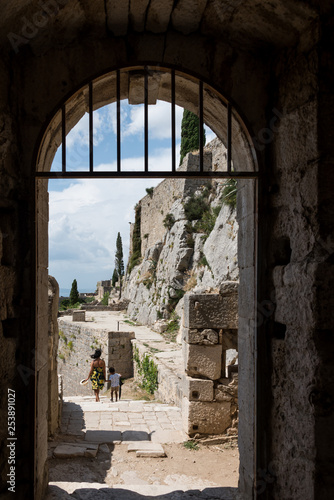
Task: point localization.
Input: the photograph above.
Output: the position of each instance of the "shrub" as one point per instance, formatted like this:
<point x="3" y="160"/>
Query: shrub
<point x="104" y="301"/>
<point x="169" y="221"/>
<point x="230" y="193"/>
<point x="148" y="370"/>
<point x="150" y="374"/>
<point x="195" y="207"/>
<point x="149" y="191"/>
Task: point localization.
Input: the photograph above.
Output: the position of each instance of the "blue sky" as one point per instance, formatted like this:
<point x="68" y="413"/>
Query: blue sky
<point x="86" y="214"/>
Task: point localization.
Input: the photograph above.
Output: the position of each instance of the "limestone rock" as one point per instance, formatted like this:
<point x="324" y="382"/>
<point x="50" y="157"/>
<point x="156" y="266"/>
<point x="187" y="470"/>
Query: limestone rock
<point x="68" y="451"/>
<point x="197" y="389"/>
<point x="203" y="360"/>
<point x="205" y="337"/>
<point x="205" y="417"/>
<point x="210" y="311"/>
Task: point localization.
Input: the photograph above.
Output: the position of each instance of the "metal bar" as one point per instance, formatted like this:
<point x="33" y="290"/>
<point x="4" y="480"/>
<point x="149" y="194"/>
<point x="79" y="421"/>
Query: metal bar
<point x="229" y="137"/>
<point x="63" y="139"/>
<point x="118" y="94"/>
<point x="146" y="118"/>
<point x="91" y="132"/>
<point x="145" y="175"/>
<point x="201" y="151"/>
<point x="173" y="121"/>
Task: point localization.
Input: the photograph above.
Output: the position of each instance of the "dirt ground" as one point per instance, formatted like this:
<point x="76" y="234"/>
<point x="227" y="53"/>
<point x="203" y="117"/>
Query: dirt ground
<point x="190" y="465"/>
<point x="207" y="466"/>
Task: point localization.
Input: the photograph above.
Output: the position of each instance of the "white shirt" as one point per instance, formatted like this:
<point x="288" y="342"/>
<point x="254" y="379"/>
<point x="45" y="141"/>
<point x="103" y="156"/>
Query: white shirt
<point x="114" y="379"/>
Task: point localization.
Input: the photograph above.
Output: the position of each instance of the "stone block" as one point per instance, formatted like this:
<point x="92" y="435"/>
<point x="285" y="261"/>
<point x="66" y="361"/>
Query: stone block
<point x="205" y="337"/>
<point x="211" y="311"/>
<point x="150" y="453"/>
<point x="197" y="389"/>
<point x="203" y="360"/>
<point x="205" y="417"/>
<point x="79" y="315"/>
<point x="225" y="393"/>
<point x="121" y="335"/>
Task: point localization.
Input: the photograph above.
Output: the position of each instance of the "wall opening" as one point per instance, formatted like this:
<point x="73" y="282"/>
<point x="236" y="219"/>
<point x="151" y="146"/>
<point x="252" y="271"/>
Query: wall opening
<point x="144" y="87"/>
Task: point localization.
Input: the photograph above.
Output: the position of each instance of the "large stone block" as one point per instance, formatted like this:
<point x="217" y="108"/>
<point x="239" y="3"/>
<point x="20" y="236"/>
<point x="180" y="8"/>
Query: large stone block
<point x="203" y="360"/>
<point x="79" y="315"/>
<point x="210" y="311"/>
<point x="196" y="389"/>
<point x="205" y="417"/>
<point x="205" y="337"/>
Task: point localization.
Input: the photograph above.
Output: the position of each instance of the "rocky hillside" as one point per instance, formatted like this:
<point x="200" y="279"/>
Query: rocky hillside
<point x="184" y="239"/>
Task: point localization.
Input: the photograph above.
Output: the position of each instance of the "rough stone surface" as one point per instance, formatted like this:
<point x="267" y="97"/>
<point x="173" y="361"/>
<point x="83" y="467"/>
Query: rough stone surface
<point x="197" y="389"/>
<point x="76" y="344"/>
<point x="205" y="336"/>
<point x="203" y="360"/>
<point x="266" y="44"/>
<point x="173" y="259"/>
<point x="54" y="404"/>
<point x="78" y="316"/>
<point x="206" y="417"/>
<point x="210" y="311"/>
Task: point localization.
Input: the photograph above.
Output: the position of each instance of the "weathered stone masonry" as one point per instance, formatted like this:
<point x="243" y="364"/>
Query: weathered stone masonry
<point x="78" y="341"/>
<point x="210" y="401"/>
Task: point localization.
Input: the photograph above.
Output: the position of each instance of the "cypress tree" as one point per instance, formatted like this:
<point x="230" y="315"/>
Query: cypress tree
<point x="74" y="294"/>
<point x="119" y="263"/>
<point x="114" y="278"/>
<point x="189" y="133"/>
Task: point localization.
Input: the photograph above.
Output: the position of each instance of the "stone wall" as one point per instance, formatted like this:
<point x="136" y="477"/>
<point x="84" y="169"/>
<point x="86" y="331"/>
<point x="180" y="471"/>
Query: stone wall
<point x="169" y="381"/>
<point x="54" y="406"/>
<point x="164" y="197"/>
<point x="176" y="259"/>
<point x="263" y="56"/>
<point x="77" y="341"/>
<point x="210" y="400"/>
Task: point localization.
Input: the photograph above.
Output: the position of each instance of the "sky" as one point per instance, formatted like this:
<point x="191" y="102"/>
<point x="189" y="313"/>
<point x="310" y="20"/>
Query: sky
<point x="85" y="215"/>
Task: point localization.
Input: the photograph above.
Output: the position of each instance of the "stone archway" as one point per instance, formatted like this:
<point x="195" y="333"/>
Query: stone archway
<point x="215" y="116"/>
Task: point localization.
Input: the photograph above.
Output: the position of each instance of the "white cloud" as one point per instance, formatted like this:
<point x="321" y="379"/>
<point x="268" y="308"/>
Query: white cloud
<point x="84" y="221"/>
<point x="159" y="121"/>
<point x="79" y="135"/>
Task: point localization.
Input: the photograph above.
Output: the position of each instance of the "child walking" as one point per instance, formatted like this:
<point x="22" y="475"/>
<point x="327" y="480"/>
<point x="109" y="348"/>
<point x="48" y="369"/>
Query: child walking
<point x="114" y="383"/>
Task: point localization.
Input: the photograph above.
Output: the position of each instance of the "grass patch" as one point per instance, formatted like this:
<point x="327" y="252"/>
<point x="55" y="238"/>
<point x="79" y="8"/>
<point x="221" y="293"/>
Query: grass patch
<point x="191" y="445"/>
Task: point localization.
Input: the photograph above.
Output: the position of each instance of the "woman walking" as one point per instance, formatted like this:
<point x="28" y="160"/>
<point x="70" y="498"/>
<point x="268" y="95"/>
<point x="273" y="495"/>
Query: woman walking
<point x="97" y="373"/>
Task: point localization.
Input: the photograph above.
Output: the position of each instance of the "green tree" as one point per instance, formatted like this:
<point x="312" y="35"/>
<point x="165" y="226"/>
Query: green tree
<point x="136" y="240"/>
<point x="119" y="263"/>
<point x="104" y="301"/>
<point x="74" y="294"/>
<point x="114" y="278"/>
<point x="189" y="133"/>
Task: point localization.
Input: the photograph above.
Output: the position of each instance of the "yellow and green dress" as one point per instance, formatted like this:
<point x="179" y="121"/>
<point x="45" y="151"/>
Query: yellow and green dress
<point x="97" y="378"/>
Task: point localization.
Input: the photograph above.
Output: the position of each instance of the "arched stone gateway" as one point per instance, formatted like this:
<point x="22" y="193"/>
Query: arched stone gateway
<point x="272" y="60"/>
<point x="186" y="91"/>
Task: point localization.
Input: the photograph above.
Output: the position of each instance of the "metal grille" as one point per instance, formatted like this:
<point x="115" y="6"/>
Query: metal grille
<point x="174" y="172"/>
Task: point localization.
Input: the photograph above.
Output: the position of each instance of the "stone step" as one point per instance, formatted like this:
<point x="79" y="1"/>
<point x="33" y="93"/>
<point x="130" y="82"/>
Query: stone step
<point x="147" y="449"/>
<point x="74" y="450"/>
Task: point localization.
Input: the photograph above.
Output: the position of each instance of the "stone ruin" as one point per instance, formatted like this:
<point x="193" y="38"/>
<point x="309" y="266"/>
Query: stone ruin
<point x="54" y="380"/>
<point x="210" y="387"/>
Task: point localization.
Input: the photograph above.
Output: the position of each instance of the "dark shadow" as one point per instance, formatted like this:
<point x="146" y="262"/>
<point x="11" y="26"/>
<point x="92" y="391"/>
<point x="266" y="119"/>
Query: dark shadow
<point x="136" y="436"/>
<point x="57" y="493"/>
